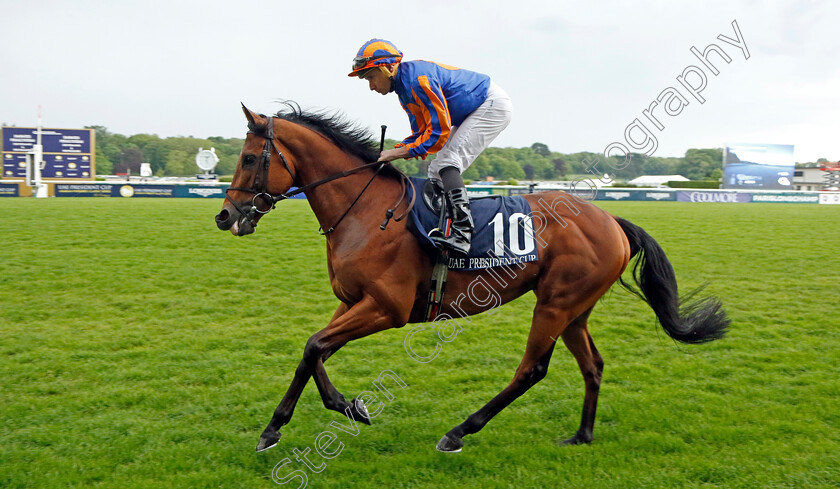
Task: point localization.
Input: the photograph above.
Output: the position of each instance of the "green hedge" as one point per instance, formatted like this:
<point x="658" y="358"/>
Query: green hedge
<point x="694" y="184"/>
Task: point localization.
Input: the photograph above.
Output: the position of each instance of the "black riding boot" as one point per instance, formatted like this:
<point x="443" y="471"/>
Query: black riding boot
<point x="462" y="223"/>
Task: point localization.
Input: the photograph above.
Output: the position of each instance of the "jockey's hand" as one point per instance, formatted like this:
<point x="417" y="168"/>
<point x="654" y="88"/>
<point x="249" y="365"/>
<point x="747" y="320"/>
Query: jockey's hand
<point x="394" y="154"/>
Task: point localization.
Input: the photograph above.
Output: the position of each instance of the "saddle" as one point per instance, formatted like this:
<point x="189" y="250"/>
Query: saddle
<point x="503" y="235"/>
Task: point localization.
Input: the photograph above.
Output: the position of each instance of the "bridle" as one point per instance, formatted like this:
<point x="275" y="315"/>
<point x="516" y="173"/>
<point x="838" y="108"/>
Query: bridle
<point x="261" y="175"/>
<point x="260" y="188"/>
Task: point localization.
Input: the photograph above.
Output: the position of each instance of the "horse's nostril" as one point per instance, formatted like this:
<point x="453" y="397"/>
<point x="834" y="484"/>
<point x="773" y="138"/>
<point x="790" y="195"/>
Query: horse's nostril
<point x="223" y="220"/>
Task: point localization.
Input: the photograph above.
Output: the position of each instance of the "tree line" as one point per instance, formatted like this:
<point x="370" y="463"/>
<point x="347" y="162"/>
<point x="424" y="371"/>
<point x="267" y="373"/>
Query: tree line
<point x="175" y="156"/>
<point x="172" y="156"/>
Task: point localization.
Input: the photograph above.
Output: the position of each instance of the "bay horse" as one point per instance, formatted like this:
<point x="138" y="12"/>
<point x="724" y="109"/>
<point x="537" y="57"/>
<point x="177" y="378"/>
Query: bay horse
<point x="382" y="277"/>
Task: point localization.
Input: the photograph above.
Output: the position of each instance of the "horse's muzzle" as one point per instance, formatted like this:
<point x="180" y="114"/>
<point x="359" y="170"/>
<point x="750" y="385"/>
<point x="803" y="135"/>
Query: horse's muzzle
<point x="235" y="222"/>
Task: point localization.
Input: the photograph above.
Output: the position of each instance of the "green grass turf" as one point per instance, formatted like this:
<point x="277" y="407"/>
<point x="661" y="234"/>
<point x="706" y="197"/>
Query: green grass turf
<point x="142" y="347"/>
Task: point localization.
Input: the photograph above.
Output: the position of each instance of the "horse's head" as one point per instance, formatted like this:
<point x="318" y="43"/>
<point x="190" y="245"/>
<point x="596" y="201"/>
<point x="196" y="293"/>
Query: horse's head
<point x="262" y="176"/>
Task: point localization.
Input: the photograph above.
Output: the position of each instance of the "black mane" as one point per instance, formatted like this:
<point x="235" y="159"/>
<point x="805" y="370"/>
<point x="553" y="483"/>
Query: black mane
<point x="345" y="134"/>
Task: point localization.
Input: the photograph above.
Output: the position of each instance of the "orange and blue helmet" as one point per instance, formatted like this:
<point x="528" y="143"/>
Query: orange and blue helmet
<point x="376" y="52"/>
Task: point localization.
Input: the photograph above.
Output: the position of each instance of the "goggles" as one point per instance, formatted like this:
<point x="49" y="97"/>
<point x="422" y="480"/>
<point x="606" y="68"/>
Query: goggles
<point x="360" y="61"/>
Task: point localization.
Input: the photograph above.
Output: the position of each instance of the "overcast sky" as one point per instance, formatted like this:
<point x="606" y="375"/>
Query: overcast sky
<point x="578" y="72"/>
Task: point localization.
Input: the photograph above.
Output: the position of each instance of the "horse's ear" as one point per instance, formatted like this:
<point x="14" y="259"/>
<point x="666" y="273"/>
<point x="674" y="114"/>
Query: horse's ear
<point x="248" y="114"/>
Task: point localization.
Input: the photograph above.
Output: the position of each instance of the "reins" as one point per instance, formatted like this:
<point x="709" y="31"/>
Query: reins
<point x="261" y="184"/>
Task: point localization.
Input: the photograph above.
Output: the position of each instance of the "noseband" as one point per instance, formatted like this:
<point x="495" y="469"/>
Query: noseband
<point x="260" y="189"/>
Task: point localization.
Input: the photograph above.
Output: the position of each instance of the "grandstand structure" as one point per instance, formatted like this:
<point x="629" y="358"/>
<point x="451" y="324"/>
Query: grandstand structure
<point x="808" y="177"/>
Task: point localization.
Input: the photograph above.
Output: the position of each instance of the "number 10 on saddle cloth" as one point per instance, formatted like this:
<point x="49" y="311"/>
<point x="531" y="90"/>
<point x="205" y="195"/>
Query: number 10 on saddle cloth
<point x="503" y="235"/>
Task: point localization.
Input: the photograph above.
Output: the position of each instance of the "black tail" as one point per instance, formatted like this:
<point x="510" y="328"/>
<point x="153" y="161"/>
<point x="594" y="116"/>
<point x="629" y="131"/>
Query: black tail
<point x="689" y="320"/>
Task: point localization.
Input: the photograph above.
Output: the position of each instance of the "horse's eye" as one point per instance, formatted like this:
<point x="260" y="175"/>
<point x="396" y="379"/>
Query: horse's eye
<point x="249" y="160"/>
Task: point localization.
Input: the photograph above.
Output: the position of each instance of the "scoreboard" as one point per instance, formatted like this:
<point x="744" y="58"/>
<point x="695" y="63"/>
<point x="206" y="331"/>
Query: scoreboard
<point x="758" y="166"/>
<point x="67" y="153"/>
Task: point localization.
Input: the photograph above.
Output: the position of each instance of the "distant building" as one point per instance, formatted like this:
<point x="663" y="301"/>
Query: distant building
<point x="656" y="180"/>
<point x="811" y="177"/>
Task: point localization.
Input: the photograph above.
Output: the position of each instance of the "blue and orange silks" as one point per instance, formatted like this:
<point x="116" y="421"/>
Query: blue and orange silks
<point x="436" y="97"/>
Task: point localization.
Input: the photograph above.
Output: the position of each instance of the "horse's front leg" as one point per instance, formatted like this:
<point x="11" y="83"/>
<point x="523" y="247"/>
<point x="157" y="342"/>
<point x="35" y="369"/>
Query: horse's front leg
<point x="335" y="401"/>
<point x="362" y="319"/>
<point x="285" y="410"/>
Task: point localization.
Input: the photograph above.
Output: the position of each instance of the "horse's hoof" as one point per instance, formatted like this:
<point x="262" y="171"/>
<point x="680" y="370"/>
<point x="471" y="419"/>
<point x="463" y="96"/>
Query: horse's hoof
<point x="578" y="439"/>
<point x="359" y="411"/>
<point x="449" y="444"/>
<point x="268" y="439"/>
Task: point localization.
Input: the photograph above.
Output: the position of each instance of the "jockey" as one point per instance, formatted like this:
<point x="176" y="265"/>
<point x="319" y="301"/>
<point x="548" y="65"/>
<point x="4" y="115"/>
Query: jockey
<point x="453" y="113"/>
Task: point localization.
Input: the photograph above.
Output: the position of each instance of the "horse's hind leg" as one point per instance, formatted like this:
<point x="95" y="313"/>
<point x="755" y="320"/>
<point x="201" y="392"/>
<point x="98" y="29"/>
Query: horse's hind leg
<point x="578" y="340"/>
<point x="547" y="324"/>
